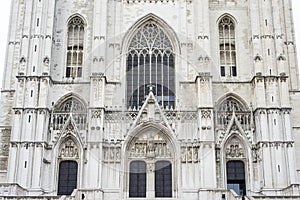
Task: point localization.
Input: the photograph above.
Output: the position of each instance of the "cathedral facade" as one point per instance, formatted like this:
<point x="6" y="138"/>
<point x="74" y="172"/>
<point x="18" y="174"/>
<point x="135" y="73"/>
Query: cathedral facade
<point x="150" y="99"/>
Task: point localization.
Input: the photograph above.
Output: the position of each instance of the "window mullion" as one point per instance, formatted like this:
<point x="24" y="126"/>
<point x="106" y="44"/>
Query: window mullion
<point x="168" y="80"/>
<point x="138" y="84"/>
<point x="162" y="81"/>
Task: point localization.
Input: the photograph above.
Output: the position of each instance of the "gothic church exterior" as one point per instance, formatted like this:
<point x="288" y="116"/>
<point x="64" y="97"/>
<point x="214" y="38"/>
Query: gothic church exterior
<point x="150" y="99"/>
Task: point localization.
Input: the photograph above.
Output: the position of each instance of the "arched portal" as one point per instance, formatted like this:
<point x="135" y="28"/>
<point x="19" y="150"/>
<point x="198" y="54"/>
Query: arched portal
<point x="68" y="158"/>
<point x="151" y="163"/>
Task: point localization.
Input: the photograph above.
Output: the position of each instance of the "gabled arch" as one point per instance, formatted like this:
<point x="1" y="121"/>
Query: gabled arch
<point x="231" y="135"/>
<point x="69" y="131"/>
<point x="154" y="145"/>
<point x="159" y="21"/>
<point x="69" y="141"/>
<point x="148" y="127"/>
<point x="236" y="150"/>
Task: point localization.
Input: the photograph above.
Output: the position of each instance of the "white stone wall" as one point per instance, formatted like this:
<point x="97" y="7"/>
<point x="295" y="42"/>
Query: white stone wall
<point x="266" y="85"/>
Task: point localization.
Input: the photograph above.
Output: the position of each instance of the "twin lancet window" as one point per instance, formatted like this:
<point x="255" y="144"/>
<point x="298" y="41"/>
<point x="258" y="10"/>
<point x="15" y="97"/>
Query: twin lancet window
<point x="227" y="48"/>
<point x="75" y="47"/>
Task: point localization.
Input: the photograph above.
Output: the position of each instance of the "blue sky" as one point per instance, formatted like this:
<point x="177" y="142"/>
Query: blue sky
<point x="5" y="13"/>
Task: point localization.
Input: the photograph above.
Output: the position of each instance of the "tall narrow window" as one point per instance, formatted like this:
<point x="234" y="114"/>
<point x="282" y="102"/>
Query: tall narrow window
<point x="75" y="47"/>
<point x="137" y="179"/>
<point x="236" y="177"/>
<point x="150" y="61"/>
<point x="163" y="179"/>
<point x="227" y="47"/>
<point x="67" y="180"/>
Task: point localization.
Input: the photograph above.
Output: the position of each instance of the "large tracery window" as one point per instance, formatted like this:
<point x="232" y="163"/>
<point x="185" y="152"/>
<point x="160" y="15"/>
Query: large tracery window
<point x="150" y="61"/>
<point x="75" y="47"/>
<point x="227" y="47"/>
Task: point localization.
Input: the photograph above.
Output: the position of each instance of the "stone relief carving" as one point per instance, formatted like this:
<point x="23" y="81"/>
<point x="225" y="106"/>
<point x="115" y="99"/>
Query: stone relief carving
<point x="150" y="148"/>
<point x="112" y="154"/>
<point x="206" y="119"/>
<point x="96" y="114"/>
<point x="3" y="164"/>
<point x="189" y="154"/>
<point x="234" y="149"/>
<point x="69" y="150"/>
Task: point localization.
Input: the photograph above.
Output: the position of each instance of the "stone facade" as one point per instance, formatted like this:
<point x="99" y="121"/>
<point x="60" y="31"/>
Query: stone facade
<point x="227" y="95"/>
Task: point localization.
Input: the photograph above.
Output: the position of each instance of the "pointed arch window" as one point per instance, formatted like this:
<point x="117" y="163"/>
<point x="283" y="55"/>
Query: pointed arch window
<point x="150" y="61"/>
<point x="227" y="47"/>
<point x="75" y="47"/>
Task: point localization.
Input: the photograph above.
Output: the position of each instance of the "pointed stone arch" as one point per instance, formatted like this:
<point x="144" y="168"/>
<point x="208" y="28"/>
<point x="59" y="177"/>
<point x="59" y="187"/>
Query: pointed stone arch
<point x="235" y="160"/>
<point x="74" y="16"/>
<point x="227" y="15"/>
<point x="69" y="148"/>
<point x="235" y="146"/>
<point x="69" y="130"/>
<point x="68" y="96"/>
<point x="235" y="97"/>
<point x="170" y="32"/>
<point x="151" y="143"/>
<point x="155" y="131"/>
<point x="69" y="157"/>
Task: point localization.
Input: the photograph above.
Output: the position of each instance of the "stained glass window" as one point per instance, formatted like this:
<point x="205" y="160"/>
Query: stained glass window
<point x="150" y="61"/>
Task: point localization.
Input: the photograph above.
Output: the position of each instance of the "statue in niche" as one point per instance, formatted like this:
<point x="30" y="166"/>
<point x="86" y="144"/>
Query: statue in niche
<point x="46" y="61"/>
<point x="118" y="154"/>
<point x="195" y="154"/>
<point x="112" y="154"/>
<point x="150" y="147"/>
<point x="183" y="155"/>
<point x="106" y="153"/>
<point x="132" y="151"/>
<point x="22" y="64"/>
<point x="190" y="155"/>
